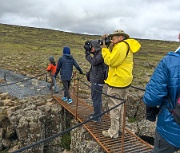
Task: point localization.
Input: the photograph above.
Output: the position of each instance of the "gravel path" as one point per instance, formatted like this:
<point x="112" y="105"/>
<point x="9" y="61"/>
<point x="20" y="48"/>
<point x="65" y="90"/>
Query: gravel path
<point x="21" y="86"/>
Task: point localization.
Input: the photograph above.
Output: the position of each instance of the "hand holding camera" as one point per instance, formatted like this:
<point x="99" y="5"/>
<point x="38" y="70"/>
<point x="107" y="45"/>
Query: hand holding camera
<point x="104" y="36"/>
<point x="87" y="45"/>
<point x="106" y="41"/>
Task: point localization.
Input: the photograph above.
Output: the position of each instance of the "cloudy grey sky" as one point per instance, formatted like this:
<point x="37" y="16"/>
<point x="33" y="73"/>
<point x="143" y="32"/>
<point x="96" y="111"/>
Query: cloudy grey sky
<point x="147" y="19"/>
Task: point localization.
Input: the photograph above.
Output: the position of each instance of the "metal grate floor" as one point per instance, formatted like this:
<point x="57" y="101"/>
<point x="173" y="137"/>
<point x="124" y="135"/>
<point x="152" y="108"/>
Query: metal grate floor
<point x="132" y="143"/>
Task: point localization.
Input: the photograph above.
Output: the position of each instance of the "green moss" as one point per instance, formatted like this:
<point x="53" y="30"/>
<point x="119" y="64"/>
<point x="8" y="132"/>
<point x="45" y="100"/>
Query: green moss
<point x="66" y="141"/>
<point x="132" y="119"/>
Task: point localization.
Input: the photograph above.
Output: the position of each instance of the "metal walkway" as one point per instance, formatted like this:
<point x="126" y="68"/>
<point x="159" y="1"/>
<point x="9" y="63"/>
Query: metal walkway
<point x="131" y="143"/>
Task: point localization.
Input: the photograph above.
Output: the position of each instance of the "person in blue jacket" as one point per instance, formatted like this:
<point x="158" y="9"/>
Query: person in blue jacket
<point x="65" y="67"/>
<point x="161" y="92"/>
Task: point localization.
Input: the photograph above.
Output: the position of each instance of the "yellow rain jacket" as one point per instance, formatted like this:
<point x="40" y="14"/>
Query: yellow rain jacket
<point x="120" y="65"/>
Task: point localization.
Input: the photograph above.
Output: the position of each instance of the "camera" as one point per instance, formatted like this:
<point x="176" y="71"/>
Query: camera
<point x="106" y="41"/>
<point x="88" y="45"/>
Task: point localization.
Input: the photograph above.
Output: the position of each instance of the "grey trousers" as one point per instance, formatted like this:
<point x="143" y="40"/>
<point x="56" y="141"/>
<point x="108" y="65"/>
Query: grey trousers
<point x="161" y="145"/>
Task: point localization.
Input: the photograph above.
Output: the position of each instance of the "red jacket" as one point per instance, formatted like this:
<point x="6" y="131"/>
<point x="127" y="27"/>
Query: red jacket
<point x="52" y="68"/>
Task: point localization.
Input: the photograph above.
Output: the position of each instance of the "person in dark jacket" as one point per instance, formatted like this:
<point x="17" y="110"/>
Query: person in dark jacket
<point x="96" y="77"/>
<point x="65" y="66"/>
<point x="161" y="92"/>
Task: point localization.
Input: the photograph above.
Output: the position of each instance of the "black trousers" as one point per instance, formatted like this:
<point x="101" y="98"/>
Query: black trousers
<point x="66" y="85"/>
<point x="161" y="145"/>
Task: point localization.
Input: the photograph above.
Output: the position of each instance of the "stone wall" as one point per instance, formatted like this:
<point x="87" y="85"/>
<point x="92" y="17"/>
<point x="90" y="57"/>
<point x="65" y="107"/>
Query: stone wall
<point x="29" y="120"/>
<point x="23" y="122"/>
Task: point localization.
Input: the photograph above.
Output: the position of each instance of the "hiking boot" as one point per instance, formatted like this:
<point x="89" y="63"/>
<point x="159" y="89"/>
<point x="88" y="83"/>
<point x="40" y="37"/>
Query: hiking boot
<point x="69" y="101"/>
<point x="64" y="98"/>
<point x="105" y="134"/>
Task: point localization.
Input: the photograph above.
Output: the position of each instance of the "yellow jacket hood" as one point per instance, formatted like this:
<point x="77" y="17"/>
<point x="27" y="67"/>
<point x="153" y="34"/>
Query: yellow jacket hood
<point x="133" y="44"/>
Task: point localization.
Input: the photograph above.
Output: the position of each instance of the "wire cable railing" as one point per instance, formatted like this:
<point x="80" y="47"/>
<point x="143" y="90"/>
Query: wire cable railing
<point x="80" y="124"/>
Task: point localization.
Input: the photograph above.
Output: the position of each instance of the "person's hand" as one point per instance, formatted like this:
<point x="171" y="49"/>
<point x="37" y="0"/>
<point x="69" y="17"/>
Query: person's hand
<point x="104" y="36"/>
<point x="81" y="72"/>
<point x="87" y="52"/>
<point x="54" y="76"/>
<point x="87" y="45"/>
<point x="103" y="45"/>
<point x="87" y="48"/>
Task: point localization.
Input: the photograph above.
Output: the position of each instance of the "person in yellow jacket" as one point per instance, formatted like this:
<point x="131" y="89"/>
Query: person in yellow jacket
<point x="119" y="60"/>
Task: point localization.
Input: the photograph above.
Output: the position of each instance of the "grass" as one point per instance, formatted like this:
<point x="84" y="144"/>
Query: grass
<point x="27" y="49"/>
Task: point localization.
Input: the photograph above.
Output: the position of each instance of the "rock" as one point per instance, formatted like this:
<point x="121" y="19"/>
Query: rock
<point x="4" y="95"/>
<point x="1" y="146"/>
<point x="6" y="143"/>
<point x="67" y="151"/>
<point x="3" y="113"/>
<point x="1" y="103"/>
<point x="1" y="133"/>
<point x="10" y="132"/>
<point x="13" y="149"/>
<point x="8" y="102"/>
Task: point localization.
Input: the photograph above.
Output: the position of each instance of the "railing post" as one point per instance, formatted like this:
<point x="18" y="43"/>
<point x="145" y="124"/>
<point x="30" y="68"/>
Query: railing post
<point x="5" y="77"/>
<point x="77" y="98"/>
<point x="123" y="128"/>
<point x="74" y="81"/>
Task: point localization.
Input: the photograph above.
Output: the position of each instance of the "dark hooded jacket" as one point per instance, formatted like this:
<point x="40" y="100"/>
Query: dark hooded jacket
<point x="65" y="65"/>
<point x="97" y="64"/>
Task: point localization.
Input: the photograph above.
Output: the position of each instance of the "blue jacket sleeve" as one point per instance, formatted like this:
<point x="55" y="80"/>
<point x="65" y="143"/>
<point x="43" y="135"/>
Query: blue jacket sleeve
<point x="77" y="66"/>
<point x="156" y="89"/>
<point x="59" y="65"/>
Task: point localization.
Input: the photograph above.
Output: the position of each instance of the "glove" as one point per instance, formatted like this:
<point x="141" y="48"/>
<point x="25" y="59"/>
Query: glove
<point x="87" y="48"/>
<point x="151" y="113"/>
<point x="87" y="52"/>
<point x="81" y="72"/>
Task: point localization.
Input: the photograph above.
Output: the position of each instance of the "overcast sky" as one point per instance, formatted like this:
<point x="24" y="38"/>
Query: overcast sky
<point x="147" y="19"/>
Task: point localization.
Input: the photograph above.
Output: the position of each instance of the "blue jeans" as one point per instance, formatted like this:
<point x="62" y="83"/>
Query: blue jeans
<point x="53" y="83"/>
<point x="96" y="96"/>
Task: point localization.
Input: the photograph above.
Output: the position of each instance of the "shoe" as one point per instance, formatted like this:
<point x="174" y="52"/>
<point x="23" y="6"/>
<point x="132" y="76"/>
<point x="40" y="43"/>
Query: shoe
<point x="56" y="91"/>
<point x="105" y="134"/>
<point x="94" y="119"/>
<point x="64" y="98"/>
<point x="91" y="116"/>
<point x="69" y="101"/>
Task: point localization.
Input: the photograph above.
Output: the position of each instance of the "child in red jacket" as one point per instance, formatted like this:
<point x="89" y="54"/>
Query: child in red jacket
<point x="52" y="69"/>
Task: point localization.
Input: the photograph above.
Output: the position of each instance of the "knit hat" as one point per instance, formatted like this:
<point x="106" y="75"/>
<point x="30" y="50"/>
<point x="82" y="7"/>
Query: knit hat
<point x="95" y="44"/>
<point x="66" y="50"/>
<point x="51" y="59"/>
<point x="119" y="33"/>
